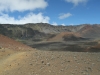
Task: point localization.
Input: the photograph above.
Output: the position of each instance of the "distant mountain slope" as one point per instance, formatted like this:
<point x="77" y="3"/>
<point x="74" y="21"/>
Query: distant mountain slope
<point x="90" y="31"/>
<point x="66" y="36"/>
<point x="45" y="31"/>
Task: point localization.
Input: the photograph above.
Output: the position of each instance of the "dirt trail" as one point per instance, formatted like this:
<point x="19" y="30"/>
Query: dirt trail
<point x="10" y="62"/>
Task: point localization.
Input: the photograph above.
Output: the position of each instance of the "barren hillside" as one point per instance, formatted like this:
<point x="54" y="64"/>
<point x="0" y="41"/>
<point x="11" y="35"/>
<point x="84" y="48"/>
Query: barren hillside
<point x="6" y="42"/>
<point x="37" y="62"/>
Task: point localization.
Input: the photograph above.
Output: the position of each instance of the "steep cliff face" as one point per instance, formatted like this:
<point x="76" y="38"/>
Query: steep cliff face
<point x="44" y="30"/>
<point x="47" y="28"/>
<point x="90" y="31"/>
<point x="20" y="31"/>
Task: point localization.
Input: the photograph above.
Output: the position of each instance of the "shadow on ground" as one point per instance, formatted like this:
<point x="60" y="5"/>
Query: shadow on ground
<point x="66" y="46"/>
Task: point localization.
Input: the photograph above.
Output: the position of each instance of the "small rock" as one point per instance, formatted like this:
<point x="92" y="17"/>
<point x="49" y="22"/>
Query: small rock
<point x="30" y="63"/>
<point x="0" y="47"/>
<point x="62" y="70"/>
<point x="48" y="64"/>
<point x="68" y="61"/>
<point x="42" y="61"/>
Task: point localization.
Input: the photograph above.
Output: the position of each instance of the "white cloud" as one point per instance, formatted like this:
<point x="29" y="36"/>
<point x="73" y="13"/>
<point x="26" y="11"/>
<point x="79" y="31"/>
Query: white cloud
<point x="63" y="24"/>
<point x="54" y="23"/>
<point x="63" y="16"/>
<point x="76" y="2"/>
<point x="29" y="18"/>
<point x="22" y="5"/>
<point x="71" y="24"/>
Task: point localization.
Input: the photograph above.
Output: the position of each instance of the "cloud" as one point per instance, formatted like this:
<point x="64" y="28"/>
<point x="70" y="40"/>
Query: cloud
<point x="54" y="23"/>
<point x="22" y="5"/>
<point x="29" y="18"/>
<point x="71" y="24"/>
<point x="63" y="16"/>
<point x="63" y="24"/>
<point x="76" y="2"/>
<point x="10" y="6"/>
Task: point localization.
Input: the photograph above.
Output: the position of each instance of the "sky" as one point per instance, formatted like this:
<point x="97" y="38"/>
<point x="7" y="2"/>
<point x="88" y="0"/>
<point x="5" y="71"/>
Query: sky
<point x="55" y="12"/>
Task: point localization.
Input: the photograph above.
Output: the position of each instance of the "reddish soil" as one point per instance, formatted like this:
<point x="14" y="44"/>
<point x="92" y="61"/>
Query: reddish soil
<point x="6" y="42"/>
<point x="59" y="37"/>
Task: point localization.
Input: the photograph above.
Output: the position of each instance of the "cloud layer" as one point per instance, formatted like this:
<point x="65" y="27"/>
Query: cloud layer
<point x="66" y="15"/>
<point x="76" y="2"/>
<point x="29" y="18"/>
<point x="10" y="6"/>
<point x="22" y="5"/>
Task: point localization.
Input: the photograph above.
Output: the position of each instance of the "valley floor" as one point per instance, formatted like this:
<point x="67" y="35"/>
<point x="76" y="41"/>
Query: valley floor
<point x="37" y="62"/>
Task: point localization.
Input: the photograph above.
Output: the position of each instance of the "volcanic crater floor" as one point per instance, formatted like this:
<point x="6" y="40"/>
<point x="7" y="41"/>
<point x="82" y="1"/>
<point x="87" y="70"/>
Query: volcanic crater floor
<point x="37" y="62"/>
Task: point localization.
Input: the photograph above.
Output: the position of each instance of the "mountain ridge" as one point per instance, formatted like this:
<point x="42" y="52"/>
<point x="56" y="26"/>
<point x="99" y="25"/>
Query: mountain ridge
<point x="44" y="28"/>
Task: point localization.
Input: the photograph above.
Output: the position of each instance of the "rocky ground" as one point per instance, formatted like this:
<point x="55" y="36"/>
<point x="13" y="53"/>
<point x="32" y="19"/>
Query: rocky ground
<point x="19" y="59"/>
<point x="38" y="62"/>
